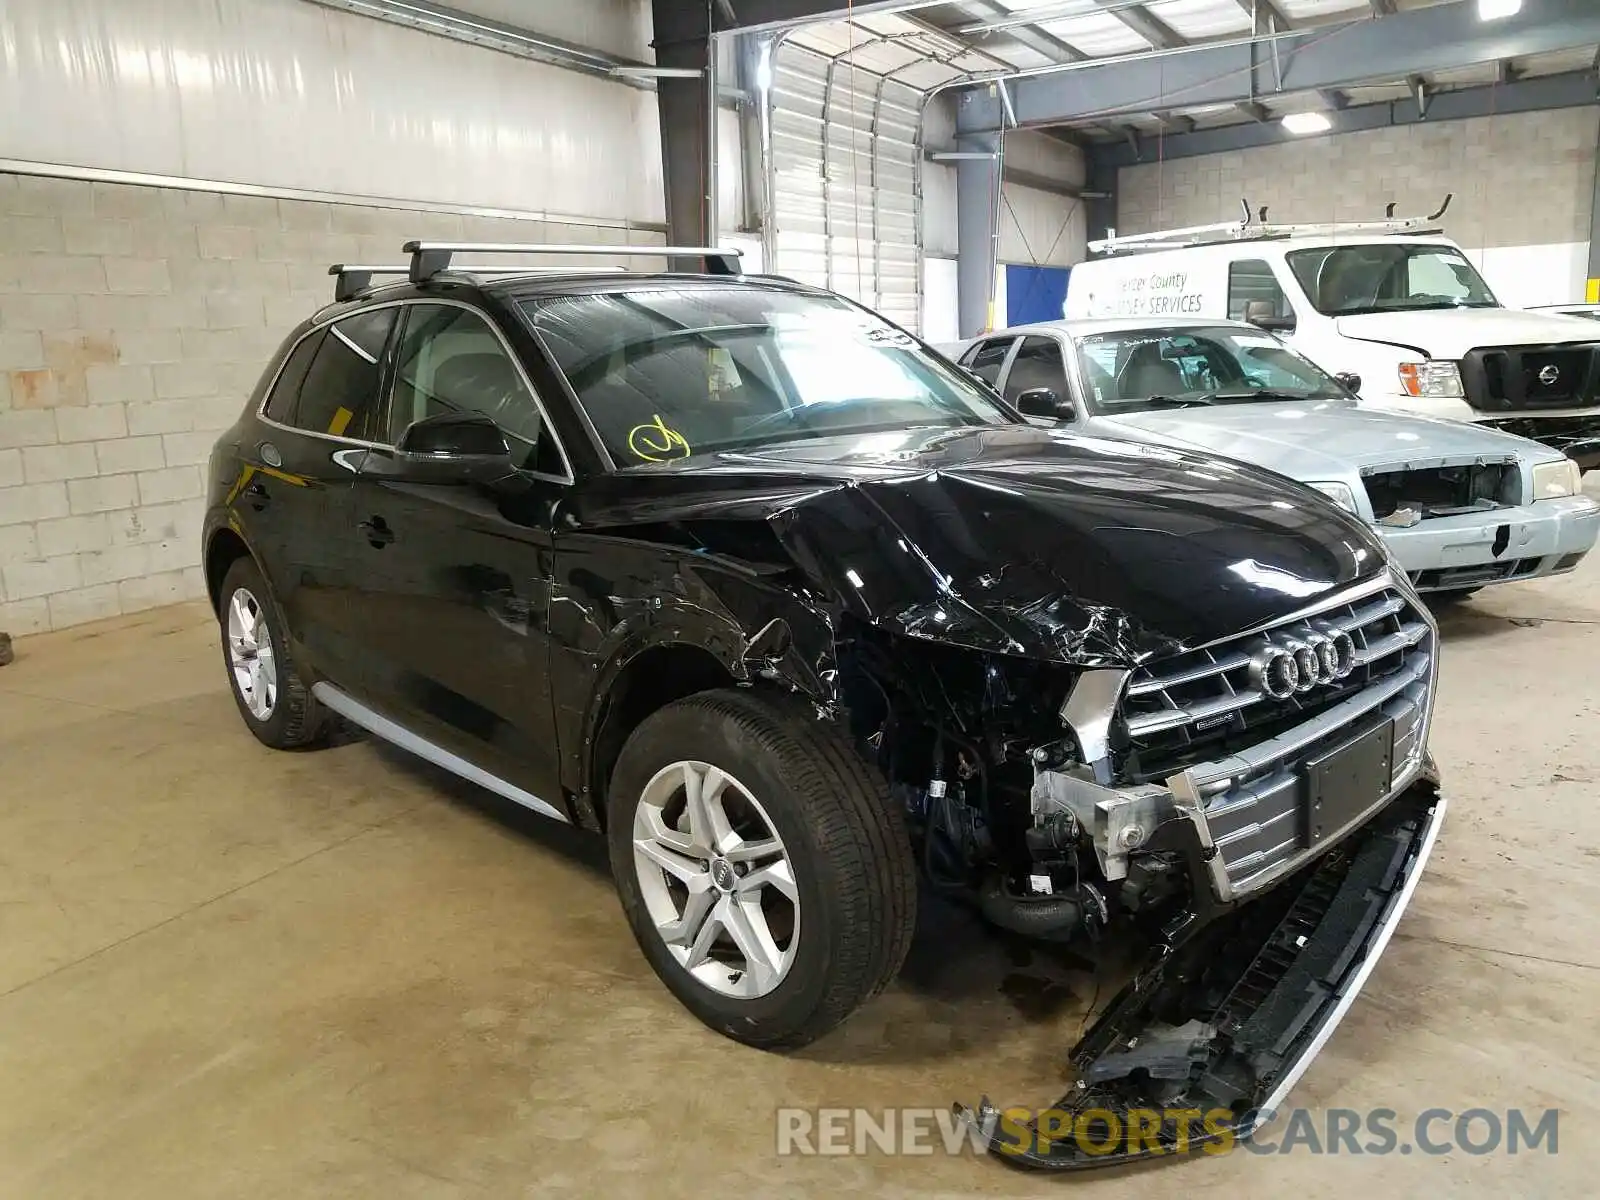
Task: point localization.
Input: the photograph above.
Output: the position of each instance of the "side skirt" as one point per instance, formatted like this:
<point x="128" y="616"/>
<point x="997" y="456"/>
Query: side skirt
<point x="381" y="726"/>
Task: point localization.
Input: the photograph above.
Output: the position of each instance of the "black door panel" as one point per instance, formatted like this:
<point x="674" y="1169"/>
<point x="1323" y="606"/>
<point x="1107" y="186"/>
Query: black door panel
<point x="452" y="604"/>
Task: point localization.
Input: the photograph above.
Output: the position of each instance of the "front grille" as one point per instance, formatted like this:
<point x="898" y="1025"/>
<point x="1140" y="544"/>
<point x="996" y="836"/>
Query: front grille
<point x="1204" y="702"/>
<point x="1507" y="378"/>
<point x="1241" y="753"/>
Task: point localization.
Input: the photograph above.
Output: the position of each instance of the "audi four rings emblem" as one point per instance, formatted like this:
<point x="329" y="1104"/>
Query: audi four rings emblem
<point x="1287" y="663"/>
<point x="1549" y="374"/>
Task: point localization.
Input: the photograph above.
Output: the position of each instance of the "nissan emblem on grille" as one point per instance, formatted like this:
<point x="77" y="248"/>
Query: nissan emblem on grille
<point x="1293" y="661"/>
<point x="1549" y="374"/>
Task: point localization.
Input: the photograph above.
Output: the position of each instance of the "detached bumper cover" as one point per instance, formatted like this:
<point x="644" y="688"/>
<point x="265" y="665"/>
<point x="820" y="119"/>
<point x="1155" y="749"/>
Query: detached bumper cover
<point x="1500" y="545"/>
<point x="1207" y="1042"/>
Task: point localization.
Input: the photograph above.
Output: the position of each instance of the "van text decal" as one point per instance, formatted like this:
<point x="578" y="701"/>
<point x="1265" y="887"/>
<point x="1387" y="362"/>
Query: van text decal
<point x="1156" y="295"/>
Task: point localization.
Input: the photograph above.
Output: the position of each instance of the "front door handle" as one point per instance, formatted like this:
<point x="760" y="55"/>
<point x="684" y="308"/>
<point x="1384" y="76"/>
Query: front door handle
<point x="377" y="531"/>
<point x="257" y="496"/>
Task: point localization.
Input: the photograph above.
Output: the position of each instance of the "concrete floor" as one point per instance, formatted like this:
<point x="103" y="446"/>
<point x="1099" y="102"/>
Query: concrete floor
<point x="231" y="972"/>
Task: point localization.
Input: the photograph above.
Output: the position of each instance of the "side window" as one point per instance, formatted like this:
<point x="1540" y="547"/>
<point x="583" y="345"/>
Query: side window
<point x="340" y="393"/>
<point x="450" y="361"/>
<point x="986" y="359"/>
<point x="286" y="391"/>
<point x="1038" y="364"/>
<point x="1254" y="293"/>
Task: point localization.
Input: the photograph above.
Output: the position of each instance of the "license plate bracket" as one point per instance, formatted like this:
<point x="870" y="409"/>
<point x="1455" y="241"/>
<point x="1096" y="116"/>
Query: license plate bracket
<point x="1346" y="781"/>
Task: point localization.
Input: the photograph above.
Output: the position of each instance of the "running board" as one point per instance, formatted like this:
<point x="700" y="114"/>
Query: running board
<point x="381" y="726"/>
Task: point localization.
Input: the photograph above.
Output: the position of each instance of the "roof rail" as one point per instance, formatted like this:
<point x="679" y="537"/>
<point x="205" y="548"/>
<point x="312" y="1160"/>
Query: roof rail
<point x="353" y="280"/>
<point x="1254" y="227"/>
<point x="430" y="258"/>
<point x="350" y="281"/>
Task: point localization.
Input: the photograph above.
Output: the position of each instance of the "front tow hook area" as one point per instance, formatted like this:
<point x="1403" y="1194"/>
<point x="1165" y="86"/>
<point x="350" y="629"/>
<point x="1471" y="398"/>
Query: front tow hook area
<point x="1207" y="1040"/>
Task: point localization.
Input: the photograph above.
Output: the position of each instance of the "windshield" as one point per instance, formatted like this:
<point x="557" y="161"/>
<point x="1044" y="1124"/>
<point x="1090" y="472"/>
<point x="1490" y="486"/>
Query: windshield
<point x="1133" y="370"/>
<point x="667" y="372"/>
<point x="1378" y="277"/>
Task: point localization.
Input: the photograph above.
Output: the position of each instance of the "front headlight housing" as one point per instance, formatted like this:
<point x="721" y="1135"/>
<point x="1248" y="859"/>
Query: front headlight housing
<point x="1553" y="480"/>
<point x="1339" y="493"/>
<point x="1435" y="377"/>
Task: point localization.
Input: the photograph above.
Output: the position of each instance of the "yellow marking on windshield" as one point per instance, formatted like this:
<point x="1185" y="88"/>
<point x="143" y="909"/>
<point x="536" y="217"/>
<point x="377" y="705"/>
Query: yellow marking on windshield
<point x="654" y="442"/>
<point x="341" y="421"/>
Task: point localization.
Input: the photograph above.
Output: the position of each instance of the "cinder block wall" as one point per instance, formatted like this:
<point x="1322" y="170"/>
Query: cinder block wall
<point x="134" y="322"/>
<point x="1520" y="179"/>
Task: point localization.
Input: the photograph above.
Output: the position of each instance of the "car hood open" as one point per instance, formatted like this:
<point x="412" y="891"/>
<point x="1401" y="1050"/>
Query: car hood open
<point x="1013" y="539"/>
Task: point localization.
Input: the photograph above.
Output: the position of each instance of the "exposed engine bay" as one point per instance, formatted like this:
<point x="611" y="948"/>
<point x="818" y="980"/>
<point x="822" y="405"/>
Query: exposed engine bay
<point x="1405" y="496"/>
<point x="1032" y="799"/>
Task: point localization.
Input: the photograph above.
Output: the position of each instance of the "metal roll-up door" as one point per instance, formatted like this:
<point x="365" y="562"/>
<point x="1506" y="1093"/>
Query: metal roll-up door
<point x="845" y="147"/>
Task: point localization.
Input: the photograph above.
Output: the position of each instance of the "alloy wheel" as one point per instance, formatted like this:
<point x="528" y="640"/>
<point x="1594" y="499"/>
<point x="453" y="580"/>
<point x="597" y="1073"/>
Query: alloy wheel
<point x="251" y="655"/>
<point x="716" y="879"/>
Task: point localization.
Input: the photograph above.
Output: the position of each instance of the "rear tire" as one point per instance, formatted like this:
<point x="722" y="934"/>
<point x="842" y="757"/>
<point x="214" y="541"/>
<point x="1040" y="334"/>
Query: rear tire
<point x="266" y="683"/>
<point x="788" y="807"/>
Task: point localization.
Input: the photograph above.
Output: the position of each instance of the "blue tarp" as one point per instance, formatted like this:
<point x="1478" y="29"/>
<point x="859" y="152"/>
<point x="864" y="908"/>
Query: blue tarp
<point x="1035" y="294"/>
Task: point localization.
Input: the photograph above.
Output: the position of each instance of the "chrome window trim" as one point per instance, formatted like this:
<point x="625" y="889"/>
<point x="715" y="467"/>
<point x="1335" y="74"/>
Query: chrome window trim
<point x="354" y="349"/>
<point x="330" y="322"/>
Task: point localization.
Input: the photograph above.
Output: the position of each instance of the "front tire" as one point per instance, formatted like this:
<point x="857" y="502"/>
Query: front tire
<point x="765" y="872"/>
<point x="267" y="686"/>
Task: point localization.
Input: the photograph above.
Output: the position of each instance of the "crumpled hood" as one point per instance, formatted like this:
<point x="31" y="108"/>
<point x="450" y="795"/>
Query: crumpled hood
<point x="1317" y="440"/>
<point x="1020" y="540"/>
<point x="1451" y="332"/>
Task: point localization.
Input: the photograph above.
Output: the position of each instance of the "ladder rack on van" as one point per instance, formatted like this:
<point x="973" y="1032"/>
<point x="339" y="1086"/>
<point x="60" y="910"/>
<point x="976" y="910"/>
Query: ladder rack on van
<point x="1254" y="227"/>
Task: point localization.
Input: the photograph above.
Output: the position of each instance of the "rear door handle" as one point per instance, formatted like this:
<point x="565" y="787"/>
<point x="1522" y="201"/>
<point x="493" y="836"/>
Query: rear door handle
<point x="257" y="496"/>
<point x="377" y="532"/>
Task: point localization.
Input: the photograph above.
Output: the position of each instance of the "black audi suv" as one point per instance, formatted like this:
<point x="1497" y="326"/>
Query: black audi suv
<point x="805" y="621"/>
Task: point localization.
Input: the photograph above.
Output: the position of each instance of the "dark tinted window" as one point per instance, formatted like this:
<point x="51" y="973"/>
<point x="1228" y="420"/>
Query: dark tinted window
<point x="286" y="391"/>
<point x="340" y="394"/>
<point x="1038" y="365"/>
<point x="986" y="361"/>
<point x="450" y="361"/>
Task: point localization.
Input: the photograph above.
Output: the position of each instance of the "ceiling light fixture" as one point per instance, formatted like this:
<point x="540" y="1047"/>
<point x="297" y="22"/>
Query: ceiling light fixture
<point x="1493" y="10"/>
<point x="1307" y="122"/>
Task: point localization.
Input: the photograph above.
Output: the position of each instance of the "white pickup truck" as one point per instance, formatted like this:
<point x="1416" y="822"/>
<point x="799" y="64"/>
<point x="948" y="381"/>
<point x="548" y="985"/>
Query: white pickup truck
<point x="1392" y="307"/>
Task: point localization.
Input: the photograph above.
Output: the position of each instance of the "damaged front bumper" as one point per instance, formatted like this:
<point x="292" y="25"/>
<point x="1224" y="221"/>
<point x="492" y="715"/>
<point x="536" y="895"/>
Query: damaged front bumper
<point x="1206" y="1042"/>
<point x="1548" y="537"/>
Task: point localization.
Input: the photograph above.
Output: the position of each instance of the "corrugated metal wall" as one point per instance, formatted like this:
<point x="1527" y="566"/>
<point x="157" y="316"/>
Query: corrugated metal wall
<point x="286" y="94"/>
<point x="844" y="169"/>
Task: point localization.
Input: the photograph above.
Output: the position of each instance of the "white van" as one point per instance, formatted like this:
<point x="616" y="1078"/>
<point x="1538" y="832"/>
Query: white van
<point x="1393" y="307"/>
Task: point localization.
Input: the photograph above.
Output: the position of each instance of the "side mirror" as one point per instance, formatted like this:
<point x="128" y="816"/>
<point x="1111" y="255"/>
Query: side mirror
<point x="1045" y="404"/>
<point x="1349" y="380"/>
<point x="1264" y="315"/>
<point x="449" y="448"/>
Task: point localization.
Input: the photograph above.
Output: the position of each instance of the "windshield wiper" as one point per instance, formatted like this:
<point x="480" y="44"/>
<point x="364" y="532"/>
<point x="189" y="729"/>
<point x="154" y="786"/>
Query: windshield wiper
<point x="1245" y="397"/>
<point x="1174" y="401"/>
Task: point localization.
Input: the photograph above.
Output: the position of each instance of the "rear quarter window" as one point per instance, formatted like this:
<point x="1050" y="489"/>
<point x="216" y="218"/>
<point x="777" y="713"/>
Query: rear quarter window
<point x="286" y="391"/>
<point x="339" y="395"/>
